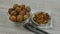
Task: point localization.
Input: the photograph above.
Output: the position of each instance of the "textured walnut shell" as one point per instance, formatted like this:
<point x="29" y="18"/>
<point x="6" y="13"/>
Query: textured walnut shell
<point x="25" y="17"/>
<point x="17" y="9"/>
<point x="10" y="10"/>
<point x="22" y="6"/>
<point x="13" y="13"/>
<point x="22" y="12"/>
<point x="12" y="18"/>
<point x="20" y="18"/>
<point x="28" y="9"/>
<point x="28" y="13"/>
<point x="15" y="5"/>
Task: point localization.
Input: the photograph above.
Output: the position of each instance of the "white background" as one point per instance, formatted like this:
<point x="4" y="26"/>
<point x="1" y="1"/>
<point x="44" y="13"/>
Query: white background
<point x="53" y="5"/>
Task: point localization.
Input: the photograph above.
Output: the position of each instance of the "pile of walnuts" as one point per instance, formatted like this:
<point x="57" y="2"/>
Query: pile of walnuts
<point x="19" y="13"/>
<point x="42" y="18"/>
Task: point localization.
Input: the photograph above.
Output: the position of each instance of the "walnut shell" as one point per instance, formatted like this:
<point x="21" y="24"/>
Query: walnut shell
<point x="22" y="12"/>
<point x="20" y="18"/>
<point x="25" y="17"/>
<point x="13" y="13"/>
<point x="15" y="5"/>
<point x="22" y="6"/>
<point x="28" y="9"/>
<point x="17" y="9"/>
<point x="12" y="18"/>
<point x="28" y="13"/>
<point x="10" y="10"/>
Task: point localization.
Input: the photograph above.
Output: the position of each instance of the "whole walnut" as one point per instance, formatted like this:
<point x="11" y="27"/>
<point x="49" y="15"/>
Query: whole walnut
<point x="28" y="9"/>
<point x="17" y="9"/>
<point x="23" y="12"/>
<point x="25" y="17"/>
<point x="13" y="13"/>
<point x="10" y="10"/>
<point x="12" y="18"/>
<point x="22" y="6"/>
<point x="27" y="13"/>
<point x="15" y="5"/>
<point x="20" y="18"/>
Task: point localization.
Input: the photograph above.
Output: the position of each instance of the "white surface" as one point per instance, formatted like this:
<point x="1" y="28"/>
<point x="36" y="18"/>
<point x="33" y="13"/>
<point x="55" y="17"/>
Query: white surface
<point x="8" y="27"/>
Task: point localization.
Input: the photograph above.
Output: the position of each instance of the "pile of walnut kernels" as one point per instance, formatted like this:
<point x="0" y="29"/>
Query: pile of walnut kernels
<point x="42" y="18"/>
<point x="19" y="13"/>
